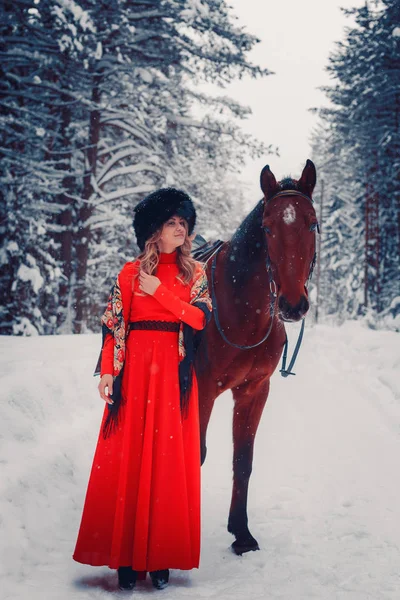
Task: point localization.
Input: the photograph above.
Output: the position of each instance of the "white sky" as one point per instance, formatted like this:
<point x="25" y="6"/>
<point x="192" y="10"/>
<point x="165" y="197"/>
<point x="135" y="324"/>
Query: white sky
<point x="297" y="37"/>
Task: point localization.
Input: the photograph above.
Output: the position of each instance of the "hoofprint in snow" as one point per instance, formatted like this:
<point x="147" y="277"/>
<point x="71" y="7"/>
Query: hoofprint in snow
<point x="323" y="502"/>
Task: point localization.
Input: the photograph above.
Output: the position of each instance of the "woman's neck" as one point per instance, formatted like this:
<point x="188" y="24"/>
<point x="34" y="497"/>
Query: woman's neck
<point x="168" y="257"/>
<point x="166" y="248"/>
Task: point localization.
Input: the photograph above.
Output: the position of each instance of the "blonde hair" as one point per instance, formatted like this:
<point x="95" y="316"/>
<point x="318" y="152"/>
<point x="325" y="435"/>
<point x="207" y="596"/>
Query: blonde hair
<point x="150" y="256"/>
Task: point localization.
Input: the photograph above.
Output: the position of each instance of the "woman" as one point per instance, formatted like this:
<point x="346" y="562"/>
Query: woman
<point x="142" y="507"/>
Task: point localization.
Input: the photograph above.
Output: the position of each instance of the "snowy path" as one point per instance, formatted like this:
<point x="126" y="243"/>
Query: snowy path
<point x="324" y="496"/>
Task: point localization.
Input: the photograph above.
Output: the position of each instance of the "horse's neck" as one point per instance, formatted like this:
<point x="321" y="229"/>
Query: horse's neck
<point x="243" y="272"/>
<point x="247" y="288"/>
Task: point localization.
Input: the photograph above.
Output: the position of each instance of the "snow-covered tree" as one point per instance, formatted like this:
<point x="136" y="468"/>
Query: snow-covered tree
<point x="338" y="197"/>
<point x="32" y="171"/>
<point x="362" y="140"/>
<point x="109" y="90"/>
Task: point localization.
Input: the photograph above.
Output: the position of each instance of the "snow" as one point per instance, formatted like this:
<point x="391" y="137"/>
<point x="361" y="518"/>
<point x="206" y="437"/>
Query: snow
<point x="323" y="499"/>
<point x="145" y="75"/>
<point x="81" y="16"/>
<point x="25" y="327"/>
<point x="32" y="275"/>
<point x="12" y="247"/>
<point x="195" y="9"/>
<point x="99" y="51"/>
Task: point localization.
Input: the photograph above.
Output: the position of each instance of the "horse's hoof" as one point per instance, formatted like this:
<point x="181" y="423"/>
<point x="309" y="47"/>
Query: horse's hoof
<point x="241" y="548"/>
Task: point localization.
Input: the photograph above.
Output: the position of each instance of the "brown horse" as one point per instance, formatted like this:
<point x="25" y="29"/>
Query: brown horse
<point x="258" y="280"/>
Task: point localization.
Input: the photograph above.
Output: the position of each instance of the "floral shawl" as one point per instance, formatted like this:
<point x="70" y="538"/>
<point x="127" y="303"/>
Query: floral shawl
<point x="113" y="322"/>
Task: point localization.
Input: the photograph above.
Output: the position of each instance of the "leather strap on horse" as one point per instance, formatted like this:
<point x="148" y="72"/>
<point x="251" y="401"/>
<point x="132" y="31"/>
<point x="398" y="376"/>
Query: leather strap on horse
<point x="283" y="371"/>
<point x="273" y="290"/>
<point x="291" y="193"/>
<point x="286" y="372"/>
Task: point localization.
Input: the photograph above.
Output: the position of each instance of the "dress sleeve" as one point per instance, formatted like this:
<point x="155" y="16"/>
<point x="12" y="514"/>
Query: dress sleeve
<point x="115" y="320"/>
<point x="107" y="354"/>
<point x="184" y="311"/>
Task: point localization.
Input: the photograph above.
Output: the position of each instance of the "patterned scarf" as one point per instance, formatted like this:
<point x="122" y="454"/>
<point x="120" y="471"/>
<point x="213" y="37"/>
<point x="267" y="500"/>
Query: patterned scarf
<point x="114" y="323"/>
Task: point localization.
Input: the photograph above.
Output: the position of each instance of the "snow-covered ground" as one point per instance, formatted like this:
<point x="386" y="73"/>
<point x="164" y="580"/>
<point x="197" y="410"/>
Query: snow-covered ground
<point x="324" y="497"/>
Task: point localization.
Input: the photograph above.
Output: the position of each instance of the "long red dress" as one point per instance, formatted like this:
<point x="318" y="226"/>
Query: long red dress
<point x="142" y="506"/>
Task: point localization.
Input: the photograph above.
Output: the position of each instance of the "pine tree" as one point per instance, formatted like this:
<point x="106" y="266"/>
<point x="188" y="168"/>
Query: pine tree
<point x="363" y="138"/>
<point x="96" y="110"/>
<point x="341" y="291"/>
<point x="31" y="172"/>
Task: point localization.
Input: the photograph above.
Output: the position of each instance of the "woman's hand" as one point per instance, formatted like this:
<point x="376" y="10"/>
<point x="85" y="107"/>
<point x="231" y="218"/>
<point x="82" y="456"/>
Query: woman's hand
<point x="106" y="382"/>
<point x="148" y="283"/>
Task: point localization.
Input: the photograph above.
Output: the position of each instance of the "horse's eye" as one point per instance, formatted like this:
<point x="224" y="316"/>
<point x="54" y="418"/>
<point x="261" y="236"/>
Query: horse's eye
<point x="314" y="226"/>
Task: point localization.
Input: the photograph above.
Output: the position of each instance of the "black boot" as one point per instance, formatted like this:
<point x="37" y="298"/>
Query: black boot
<point x="160" y="578"/>
<point x="126" y="578"/>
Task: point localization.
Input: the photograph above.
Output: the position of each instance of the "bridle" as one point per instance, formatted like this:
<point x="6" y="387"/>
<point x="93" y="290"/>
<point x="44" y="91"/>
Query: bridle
<point x="273" y="289"/>
<point x="273" y="296"/>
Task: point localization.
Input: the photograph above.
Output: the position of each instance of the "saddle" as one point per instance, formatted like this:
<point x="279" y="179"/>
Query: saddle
<point x="203" y="250"/>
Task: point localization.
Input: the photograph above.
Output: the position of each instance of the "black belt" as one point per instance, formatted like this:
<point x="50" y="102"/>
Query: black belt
<point x="155" y="325"/>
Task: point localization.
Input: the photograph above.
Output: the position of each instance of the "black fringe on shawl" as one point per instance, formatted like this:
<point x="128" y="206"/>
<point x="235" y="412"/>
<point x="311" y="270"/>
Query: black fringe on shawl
<point x="111" y="423"/>
<point x="191" y="342"/>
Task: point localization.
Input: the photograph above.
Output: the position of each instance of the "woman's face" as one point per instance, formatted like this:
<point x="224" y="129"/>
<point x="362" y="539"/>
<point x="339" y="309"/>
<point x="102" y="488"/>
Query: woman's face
<point x="173" y="234"/>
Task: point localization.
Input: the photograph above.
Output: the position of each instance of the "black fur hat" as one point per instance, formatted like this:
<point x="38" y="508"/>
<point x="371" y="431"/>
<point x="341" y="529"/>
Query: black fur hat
<point x="156" y="208"/>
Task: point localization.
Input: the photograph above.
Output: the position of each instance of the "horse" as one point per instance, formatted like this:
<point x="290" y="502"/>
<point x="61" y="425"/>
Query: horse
<point x="258" y="281"/>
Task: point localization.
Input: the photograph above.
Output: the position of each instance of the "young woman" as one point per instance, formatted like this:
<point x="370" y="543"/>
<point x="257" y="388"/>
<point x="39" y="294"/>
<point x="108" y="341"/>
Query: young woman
<point x="142" y="507"/>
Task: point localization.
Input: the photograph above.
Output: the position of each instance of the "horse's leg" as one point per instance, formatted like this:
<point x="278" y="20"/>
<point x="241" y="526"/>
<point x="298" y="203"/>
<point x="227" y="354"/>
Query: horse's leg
<point x="207" y="397"/>
<point x="249" y="401"/>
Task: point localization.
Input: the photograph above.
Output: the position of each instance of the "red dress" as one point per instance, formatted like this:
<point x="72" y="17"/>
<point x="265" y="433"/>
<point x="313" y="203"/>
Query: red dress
<point x="142" y="506"/>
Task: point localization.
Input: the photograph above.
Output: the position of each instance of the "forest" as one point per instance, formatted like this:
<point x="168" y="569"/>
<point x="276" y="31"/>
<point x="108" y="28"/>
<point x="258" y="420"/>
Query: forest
<point x="356" y="145"/>
<point x="101" y="102"/>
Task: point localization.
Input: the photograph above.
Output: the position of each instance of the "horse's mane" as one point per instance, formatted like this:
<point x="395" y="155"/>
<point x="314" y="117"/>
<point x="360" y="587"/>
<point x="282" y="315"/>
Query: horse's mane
<point x="288" y="183"/>
<point x="245" y="246"/>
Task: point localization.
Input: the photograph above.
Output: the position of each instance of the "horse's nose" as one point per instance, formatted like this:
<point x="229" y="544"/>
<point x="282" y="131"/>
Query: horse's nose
<point x="293" y="313"/>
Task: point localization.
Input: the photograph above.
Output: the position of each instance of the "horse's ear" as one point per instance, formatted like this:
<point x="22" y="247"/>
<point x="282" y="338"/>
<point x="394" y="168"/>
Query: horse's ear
<point x="308" y="178"/>
<point x="268" y="182"/>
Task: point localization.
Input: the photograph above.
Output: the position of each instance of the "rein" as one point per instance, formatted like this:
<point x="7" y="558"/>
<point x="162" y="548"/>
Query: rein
<point x="273" y="289"/>
<point x="286" y="372"/>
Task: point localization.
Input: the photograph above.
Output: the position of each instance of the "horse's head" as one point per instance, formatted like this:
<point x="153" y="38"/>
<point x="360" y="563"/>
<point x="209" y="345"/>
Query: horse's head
<point x="290" y="222"/>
